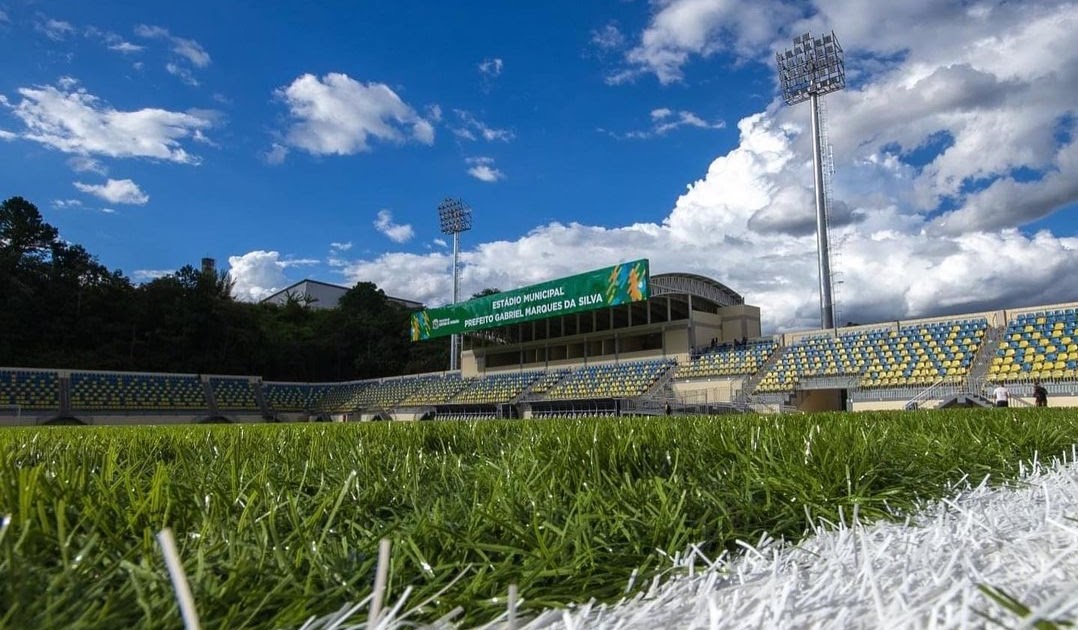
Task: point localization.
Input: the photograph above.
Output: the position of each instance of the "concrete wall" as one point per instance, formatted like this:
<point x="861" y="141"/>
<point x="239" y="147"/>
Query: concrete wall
<point x="820" y="400"/>
<point x="126" y="419"/>
<point x="1063" y="401"/>
<point x="712" y="390"/>
<point x="469" y="364"/>
<point x="738" y="321"/>
<point x="676" y="341"/>
<point x="879" y="405"/>
<point x="706" y="326"/>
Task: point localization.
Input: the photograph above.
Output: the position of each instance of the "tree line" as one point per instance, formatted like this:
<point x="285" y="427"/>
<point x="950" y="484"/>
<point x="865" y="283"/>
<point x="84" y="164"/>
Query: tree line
<point x="64" y="309"/>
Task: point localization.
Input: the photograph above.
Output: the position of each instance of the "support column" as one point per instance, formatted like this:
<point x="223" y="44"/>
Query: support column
<point x="827" y="309"/>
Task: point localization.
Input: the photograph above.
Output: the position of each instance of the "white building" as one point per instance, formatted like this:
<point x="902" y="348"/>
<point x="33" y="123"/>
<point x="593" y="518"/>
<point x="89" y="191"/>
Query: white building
<point x="323" y="295"/>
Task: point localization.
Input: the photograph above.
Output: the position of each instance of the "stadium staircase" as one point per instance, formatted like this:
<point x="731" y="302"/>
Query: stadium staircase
<point x="972" y="391"/>
<point x="947" y="398"/>
<point x="64" y="385"/>
<point x="750" y="384"/>
<point x="657" y="397"/>
<point x="211" y="397"/>
<point x="531" y="395"/>
<point x="966" y="399"/>
<point x="260" y="400"/>
<point x="978" y="370"/>
<point x="976" y="383"/>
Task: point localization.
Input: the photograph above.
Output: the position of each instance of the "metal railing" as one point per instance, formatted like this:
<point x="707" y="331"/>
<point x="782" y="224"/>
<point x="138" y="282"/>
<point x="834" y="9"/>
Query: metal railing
<point x="931" y="391"/>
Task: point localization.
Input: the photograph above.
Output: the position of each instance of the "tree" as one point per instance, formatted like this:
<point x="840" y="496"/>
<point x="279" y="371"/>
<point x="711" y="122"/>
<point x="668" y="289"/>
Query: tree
<point x="24" y="235"/>
<point x="86" y="309"/>
<point x="370" y="332"/>
<point x="64" y="309"/>
<point x="25" y="241"/>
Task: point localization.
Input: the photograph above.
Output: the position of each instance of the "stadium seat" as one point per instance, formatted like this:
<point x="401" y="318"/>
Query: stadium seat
<point x="29" y="389"/>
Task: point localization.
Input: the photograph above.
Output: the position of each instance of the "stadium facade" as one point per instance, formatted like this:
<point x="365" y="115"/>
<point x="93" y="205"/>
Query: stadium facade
<point x="615" y="340"/>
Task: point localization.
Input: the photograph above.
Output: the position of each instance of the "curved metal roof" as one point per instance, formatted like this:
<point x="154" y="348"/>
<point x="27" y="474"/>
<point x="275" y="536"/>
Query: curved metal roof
<point x="699" y="286"/>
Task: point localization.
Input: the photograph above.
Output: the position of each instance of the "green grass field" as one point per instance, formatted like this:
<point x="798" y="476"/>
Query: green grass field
<point x="277" y="523"/>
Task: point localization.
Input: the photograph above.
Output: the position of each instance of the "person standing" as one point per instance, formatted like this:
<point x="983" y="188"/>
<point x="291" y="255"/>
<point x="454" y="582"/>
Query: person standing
<point x="1002" y="395"/>
<point x="1040" y="394"/>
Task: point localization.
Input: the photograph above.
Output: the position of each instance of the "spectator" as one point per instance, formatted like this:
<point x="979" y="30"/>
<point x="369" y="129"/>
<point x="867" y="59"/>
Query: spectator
<point x="1040" y="394"/>
<point x="1002" y="396"/>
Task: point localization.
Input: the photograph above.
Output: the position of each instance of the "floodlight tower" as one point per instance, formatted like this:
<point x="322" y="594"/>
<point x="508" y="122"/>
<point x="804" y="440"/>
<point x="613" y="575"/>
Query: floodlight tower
<point x="812" y="68"/>
<point x="455" y="217"/>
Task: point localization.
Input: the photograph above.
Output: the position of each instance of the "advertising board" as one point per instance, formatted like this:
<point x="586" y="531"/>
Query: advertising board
<point x="609" y="286"/>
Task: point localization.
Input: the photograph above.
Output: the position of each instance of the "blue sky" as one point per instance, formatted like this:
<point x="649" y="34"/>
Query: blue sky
<point x="317" y="140"/>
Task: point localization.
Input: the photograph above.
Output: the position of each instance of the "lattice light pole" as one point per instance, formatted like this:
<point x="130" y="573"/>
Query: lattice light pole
<point x="812" y="68"/>
<point x="454" y="217"/>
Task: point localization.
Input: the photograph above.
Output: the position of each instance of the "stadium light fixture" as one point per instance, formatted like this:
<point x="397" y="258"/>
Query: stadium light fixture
<point x="454" y="217"/>
<point x="812" y="68"/>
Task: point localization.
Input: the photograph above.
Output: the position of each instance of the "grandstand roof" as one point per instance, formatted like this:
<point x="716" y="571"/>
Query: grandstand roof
<point x="691" y="283"/>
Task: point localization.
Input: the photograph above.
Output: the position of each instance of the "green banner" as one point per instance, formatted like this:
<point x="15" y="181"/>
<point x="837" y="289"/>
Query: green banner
<point x="610" y="286"/>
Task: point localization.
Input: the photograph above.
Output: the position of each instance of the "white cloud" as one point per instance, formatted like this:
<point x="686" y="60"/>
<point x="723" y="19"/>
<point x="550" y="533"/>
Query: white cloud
<point x="440" y="242"/>
<point x="396" y="233"/>
<point x="187" y="53"/>
<point x="931" y="234"/>
<point x="299" y="262"/>
<point x="997" y="83"/>
<point x="490" y="68"/>
<point x="665" y="120"/>
<point x="125" y="47"/>
<point x="471" y="128"/>
<point x="934" y="235"/>
<point x="74" y="121"/>
<point x="608" y="38"/>
<point x="191" y="50"/>
<point x="56" y="30"/>
<point x="66" y="203"/>
<point x="276" y="154"/>
<point x="683" y="28"/>
<point x="83" y="164"/>
<point x="337" y="115"/>
<point x="434" y="113"/>
<point x="482" y="168"/>
<point x="429" y="275"/>
<point x="182" y="73"/>
<point x="116" y="191"/>
<point x="7" y="135"/>
<point x="188" y="49"/>
<point x="145" y="275"/>
<point x="996" y="80"/>
<point x="112" y="41"/>
<point x="336" y="251"/>
<point x="256" y="275"/>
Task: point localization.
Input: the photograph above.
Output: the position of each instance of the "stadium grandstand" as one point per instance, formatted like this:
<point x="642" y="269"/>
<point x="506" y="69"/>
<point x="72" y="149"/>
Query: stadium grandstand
<point x="612" y="341"/>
